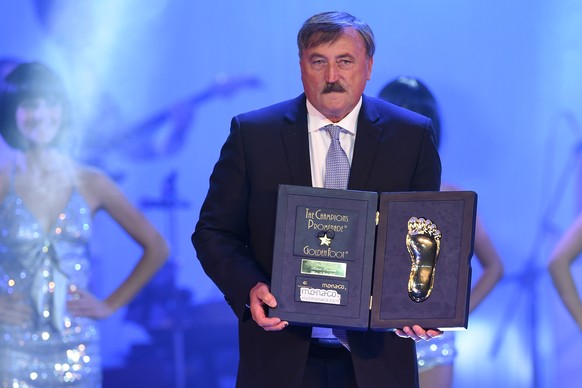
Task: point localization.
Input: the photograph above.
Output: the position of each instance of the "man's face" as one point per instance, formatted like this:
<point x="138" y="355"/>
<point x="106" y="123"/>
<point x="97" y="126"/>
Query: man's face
<point x="334" y="74"/>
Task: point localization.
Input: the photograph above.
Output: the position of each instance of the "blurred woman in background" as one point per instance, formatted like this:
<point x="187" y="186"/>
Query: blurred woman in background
<point x="436" y="357"/>
<point x="48" y="333"/>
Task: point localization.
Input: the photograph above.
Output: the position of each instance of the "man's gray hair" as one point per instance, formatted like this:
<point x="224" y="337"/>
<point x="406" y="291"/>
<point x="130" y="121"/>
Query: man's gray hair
<point x="327" y="27"/>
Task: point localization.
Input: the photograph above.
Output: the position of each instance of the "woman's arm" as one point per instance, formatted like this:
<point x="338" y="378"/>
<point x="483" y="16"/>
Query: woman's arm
<point x="561" y="259"/>
<point x="103" y="193"/>
<point x="487" y="256"/>
<point x="490" y="261"/>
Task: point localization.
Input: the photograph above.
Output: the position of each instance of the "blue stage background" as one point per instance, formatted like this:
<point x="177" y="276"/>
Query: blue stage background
<point x="506" y="74"/>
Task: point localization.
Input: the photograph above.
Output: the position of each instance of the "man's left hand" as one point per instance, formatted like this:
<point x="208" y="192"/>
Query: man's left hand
<point x="417" y="333"/>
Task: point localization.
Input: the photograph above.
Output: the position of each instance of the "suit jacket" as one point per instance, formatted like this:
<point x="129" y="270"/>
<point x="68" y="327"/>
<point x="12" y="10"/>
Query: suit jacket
<point x="394" y="151"/>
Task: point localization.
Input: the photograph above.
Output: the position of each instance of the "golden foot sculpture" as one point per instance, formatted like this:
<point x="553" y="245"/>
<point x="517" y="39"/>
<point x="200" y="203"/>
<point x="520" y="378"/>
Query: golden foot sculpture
<point x="423" y="242"/>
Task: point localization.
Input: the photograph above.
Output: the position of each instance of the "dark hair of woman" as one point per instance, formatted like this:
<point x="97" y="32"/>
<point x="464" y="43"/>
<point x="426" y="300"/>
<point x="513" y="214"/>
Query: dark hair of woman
<point x="412" y="94"/>
<point x="29" y="81"/>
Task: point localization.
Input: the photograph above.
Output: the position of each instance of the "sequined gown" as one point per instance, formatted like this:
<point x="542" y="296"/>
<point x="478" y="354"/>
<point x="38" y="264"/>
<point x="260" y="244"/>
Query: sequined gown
<point x="54" y="349"/>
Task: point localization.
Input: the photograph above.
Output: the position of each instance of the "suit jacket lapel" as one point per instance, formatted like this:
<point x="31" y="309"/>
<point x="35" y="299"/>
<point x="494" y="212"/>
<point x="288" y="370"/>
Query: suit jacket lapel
<point x="366" y="146"/>
<point x="296" y="142"/>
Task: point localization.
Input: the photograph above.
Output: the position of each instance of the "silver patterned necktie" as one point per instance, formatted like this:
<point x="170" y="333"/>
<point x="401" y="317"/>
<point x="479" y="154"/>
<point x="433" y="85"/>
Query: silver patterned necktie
<point x="337" y="165"/>
<point x="337" y="173"/>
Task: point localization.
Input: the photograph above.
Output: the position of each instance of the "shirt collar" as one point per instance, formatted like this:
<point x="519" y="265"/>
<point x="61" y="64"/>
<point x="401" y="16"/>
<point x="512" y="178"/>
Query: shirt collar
<point x="316" y="120"/>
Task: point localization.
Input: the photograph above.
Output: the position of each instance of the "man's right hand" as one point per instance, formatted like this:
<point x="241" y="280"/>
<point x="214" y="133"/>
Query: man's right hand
<point x="260" y="298"/>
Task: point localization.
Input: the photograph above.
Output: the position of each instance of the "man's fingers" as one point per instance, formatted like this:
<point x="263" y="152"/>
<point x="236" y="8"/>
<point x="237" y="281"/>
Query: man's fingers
<point x="259" y="316"/>
<point x="417" y="333"/>
<point x="279" y="326"/>
<point x="400" y="333"/>
<point x="411" y="333"/>
<point x="269" y="299"/>
<point x="263" y="294"/>
<point x="433" y="333"/>
<point x="273" y="324"/>
<point x="259" y="297"/>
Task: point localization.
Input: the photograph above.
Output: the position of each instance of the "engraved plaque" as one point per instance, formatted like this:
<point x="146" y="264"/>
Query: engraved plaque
<point x="323" y="256"/>
<point x="334" y="267"/>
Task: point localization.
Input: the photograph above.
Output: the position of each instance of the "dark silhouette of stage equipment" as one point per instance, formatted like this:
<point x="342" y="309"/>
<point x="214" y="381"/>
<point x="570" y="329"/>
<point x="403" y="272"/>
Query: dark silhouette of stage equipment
<point x="190" y="345"/>
<point x="160" y="135"/>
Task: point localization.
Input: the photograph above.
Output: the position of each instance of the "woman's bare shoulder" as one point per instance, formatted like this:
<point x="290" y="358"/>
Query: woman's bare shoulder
<point x="93" y="184"/>
<point x="89" y="176"/>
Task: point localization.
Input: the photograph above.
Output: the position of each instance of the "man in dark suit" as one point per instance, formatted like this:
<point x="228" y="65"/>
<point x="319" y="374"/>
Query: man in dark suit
<point x="389" y="149"/>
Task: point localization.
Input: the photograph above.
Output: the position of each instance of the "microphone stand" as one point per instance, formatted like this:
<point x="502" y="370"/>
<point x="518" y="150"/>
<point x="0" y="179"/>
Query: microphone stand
<point x="170" y="203"/>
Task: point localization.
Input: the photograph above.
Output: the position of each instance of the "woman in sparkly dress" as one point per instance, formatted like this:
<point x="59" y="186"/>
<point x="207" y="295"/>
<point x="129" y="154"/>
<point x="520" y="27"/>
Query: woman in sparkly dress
<point x="435" y="357"/>
<point x="48" y="333"/>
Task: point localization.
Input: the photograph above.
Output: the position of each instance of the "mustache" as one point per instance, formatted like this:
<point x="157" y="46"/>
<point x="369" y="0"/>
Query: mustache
<point x="333" y="87"/>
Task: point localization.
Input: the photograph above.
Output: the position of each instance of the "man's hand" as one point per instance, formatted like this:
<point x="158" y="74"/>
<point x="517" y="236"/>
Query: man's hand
<point x="260" y="297"/>
<point x="417" y="333"/>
